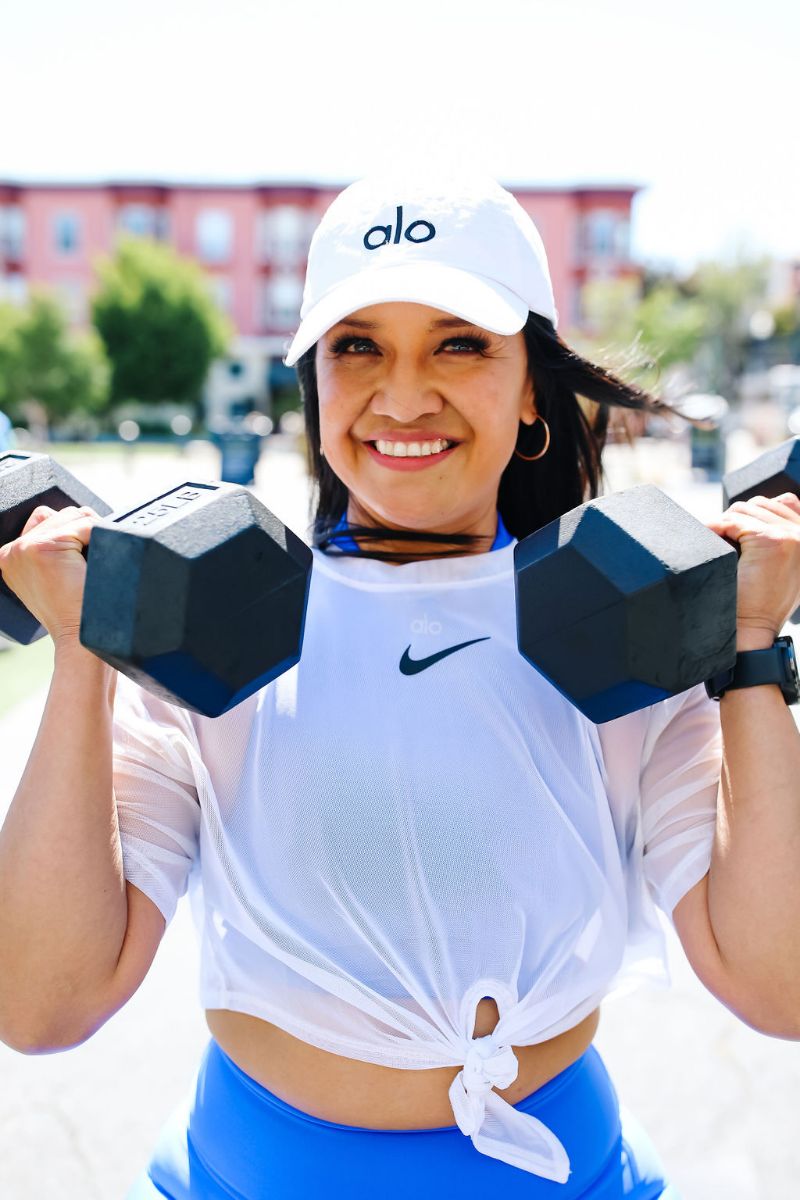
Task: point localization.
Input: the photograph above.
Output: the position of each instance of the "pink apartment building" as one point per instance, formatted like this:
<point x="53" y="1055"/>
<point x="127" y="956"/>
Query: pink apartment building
<point x="252" y="241"/>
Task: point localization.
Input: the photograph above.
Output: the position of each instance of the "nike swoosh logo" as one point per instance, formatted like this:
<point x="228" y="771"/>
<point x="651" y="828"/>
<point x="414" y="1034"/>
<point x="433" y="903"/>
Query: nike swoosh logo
<point x="413" y="666"/>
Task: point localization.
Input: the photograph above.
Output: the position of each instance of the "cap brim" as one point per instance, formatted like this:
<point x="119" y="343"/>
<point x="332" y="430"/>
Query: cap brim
<point x="475" y="298"/>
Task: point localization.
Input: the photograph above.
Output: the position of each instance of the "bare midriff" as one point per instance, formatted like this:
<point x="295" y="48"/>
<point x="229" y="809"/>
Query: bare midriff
<point x="349" y="1091"/>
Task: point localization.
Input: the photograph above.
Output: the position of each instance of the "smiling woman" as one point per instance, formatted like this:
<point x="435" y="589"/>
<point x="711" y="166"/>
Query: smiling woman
<point x="390" y="397"/>
<point x="415" y="868"/>
<point x="455" y="873"/>
<point x="499" y="403"/>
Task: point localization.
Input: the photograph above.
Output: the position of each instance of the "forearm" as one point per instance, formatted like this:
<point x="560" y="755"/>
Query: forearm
<point x="63" y="909"/>
<point x="754" y="880"/>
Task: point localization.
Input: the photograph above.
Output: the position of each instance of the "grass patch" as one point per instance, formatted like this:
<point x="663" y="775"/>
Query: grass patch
<point x="23" y="670"/>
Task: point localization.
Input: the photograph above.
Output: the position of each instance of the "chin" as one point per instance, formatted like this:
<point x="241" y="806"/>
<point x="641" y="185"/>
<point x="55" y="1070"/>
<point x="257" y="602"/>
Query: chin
<point x="410" y="516"/>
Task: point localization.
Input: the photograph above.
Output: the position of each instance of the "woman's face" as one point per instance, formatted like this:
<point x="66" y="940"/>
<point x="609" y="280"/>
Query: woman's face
<point x="419" y="414"/>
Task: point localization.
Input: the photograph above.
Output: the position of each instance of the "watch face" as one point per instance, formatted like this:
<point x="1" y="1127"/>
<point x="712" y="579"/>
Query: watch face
<point x="791" y="691"/>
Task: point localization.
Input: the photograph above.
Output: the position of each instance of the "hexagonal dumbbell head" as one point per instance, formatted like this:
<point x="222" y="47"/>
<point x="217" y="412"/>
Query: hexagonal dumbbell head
<point x="199" y="595"/>
<point x="624" y="601"/>
<point x="27" y="481"/>
<point x="776" y="471"/>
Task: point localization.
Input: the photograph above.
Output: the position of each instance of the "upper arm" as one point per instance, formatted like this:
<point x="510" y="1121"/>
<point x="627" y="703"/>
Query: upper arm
<point x="156" y="796"/>
<point x="158" y="817"/>
<point x="678" y="786"/>
<point x="143" y="935"/>
<point x="693" y="927"/>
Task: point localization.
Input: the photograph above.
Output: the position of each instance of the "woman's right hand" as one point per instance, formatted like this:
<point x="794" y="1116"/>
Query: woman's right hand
<point x="46" y="570"/>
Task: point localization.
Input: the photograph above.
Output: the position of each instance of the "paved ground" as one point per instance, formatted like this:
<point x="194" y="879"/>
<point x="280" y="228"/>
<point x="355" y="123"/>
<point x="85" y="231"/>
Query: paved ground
<point x="721" y="1102"/>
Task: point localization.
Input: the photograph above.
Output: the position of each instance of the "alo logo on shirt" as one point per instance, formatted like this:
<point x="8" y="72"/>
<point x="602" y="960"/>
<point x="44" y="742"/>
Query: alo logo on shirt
<point x="382" y="235"/>
<point x="423" y="625"/>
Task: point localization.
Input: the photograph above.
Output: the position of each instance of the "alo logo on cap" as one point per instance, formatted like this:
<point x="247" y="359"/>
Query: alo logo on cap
<point x="424" y="232"/>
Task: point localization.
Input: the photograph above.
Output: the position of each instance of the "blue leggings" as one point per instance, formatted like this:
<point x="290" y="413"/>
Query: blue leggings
<point x="232" y="1137"/>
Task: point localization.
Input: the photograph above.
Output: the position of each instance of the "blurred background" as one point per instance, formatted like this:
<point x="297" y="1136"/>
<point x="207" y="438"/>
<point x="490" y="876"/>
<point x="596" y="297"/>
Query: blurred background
<point x="162" y="169"/>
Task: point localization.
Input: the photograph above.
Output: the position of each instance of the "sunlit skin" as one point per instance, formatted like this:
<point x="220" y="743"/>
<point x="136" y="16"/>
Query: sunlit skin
<point x="403" y="377"/>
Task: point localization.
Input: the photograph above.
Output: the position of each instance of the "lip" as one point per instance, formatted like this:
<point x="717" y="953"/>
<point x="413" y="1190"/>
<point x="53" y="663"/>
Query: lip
<point x="420" y="435"/>
<point x="408" y="464"/>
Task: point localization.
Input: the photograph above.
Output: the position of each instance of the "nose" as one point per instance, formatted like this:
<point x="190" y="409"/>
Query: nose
<point x="405" y="394"/>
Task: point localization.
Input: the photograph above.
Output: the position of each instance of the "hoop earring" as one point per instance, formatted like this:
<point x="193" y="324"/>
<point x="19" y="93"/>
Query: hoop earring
<point x="543" y="451"/>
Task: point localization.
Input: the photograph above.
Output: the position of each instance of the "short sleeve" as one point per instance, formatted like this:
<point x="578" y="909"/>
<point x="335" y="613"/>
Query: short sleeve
<point x="679" y="783"/>
<point x="154" y="787"/>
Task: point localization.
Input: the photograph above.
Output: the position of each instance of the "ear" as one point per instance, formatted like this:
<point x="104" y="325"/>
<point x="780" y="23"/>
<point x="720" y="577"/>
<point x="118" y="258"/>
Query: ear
<point x="528" y="411"/>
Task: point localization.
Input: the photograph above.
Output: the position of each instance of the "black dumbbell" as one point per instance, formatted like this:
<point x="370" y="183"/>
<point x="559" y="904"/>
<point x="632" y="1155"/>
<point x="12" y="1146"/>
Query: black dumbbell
<point x="27" y="481"/>
<point x="199" y="594"/>
<point x="626" y="600"/>
<point x="770" y="475"/>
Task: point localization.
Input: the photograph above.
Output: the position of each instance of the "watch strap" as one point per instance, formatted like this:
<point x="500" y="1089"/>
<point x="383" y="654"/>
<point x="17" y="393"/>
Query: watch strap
<point x="776" y="664"/>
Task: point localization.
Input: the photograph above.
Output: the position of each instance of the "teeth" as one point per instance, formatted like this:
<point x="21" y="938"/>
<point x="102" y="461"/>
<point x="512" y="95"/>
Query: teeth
<point x="411" y="449"/>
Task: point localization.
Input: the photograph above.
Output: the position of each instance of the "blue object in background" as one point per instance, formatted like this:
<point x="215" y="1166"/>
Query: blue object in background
<point x="240" y="451"/>
<point x="6" y="433"/>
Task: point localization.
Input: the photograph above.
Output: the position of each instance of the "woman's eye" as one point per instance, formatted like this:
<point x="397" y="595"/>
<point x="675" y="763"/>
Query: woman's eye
<point x="347" y="344"/>
<point x="474" y="344"/>
<point x="343" y="344"/>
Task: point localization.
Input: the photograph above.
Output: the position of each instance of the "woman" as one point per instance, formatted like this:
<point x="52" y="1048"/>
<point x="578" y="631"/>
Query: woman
<point x="418" y="869"/>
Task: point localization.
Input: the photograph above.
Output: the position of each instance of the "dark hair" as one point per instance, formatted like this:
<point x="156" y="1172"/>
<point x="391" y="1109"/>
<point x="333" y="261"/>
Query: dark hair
<point x="531" y="494"/>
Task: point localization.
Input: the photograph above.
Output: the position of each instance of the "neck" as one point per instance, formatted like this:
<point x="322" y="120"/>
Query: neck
<point x="478" y="535"/>
<point x="411" y="545"/>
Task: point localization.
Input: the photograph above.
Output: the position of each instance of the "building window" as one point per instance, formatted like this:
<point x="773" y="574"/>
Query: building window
<point x="284" y="235"/>
<point x="67" y="233"/>
<point x="14" y="288"/>
<point x="143" y="220"/>
<point x="605" y="235"/>
<point x="72" y="295"/>
<point x="221" y="292"/>
<point x="283" y="295"/>
<point x="12" y="231"/>
<point x="214" y="235"/>
<point x="622" y="238"/>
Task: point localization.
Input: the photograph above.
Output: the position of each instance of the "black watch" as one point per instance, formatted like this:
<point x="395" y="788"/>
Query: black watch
<point x="775" y="665"/>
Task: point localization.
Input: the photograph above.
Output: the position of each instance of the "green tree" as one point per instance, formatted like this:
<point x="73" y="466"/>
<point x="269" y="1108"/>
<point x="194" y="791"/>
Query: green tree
<point x="787" y="318"/>
<point x="702" y="321"/>
<point x="159" y="325"/>
<point x="729" y="293"/>
<point x="47" y="372"/>
<point x="653" y="332"/>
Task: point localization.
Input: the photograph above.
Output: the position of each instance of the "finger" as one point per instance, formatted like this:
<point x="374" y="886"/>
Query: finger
<point x="60" y="519"/>
<point x="37" y="516"/>
<point x="791" y="501"/>
<point x="70" y="534"/>
<point x="772" y="508"/>
<point x="736" y="524"/>
<point x="770" y="511"/>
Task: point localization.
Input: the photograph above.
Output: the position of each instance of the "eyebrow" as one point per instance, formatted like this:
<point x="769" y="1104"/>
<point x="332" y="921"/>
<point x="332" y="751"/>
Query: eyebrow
<point x="441" y="323"/>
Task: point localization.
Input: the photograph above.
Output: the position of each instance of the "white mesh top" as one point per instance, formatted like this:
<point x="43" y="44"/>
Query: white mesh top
<point x="375" y="849"/>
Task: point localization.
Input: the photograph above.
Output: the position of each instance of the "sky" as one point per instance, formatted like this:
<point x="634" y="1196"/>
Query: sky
<point x="694" y="101"/>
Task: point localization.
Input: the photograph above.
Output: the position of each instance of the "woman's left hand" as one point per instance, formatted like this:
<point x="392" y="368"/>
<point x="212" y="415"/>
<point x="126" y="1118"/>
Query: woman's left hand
<point x="768" y="577"/>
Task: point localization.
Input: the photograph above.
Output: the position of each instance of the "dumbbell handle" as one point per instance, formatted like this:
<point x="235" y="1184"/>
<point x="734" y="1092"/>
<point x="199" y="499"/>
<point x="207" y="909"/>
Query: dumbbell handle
<point x="771" y="474"/>
<point x="28" y="481"/>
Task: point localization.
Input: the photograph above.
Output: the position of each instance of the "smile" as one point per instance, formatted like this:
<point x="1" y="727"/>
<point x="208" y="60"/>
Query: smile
<point x="409" y="456"/>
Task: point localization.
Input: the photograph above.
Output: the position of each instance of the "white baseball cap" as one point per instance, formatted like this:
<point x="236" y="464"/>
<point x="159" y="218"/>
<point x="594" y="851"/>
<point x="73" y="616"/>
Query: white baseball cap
<point x="458" y="242"/>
